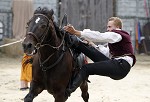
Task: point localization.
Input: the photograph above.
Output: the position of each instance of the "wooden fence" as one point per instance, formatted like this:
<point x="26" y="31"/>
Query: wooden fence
<point x="90" y="14"/>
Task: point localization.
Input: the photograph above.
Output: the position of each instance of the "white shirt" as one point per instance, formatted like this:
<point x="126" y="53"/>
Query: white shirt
<point x="96" y="36"/>
<point x="104" y="49"/>
<point x="109" y="37"/>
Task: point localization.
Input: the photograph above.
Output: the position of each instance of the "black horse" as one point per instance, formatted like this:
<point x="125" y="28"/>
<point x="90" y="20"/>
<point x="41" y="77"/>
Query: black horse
<point x="53" y="63"/>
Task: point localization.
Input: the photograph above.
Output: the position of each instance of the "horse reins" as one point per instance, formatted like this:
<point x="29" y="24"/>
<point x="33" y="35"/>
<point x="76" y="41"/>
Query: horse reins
<point x="38" y="40"/>
<point x="39" y="45"/>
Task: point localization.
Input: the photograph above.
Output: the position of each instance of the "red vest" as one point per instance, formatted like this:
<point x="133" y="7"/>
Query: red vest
<point x="123" y="47"/>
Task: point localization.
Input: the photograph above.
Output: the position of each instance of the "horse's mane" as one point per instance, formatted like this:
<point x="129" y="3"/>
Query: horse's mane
<point x="45" y="11"/>
<point x="49" y="13"/>
<point x="58" y="32"/>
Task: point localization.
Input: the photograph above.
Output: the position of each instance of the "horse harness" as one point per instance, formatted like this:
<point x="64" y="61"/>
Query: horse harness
<point x="40" y="45"/>
<point x="57" y="48"/>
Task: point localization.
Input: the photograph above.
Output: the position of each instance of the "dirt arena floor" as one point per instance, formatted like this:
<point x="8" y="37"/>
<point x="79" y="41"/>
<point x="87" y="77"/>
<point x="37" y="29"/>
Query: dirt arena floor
<point x="133" y="88"/>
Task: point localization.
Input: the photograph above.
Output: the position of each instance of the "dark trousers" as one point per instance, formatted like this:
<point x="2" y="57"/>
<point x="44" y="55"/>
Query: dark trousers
<point x="115" y="69"/>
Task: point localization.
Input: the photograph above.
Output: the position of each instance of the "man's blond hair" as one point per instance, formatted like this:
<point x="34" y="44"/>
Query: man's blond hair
<point x="117" y="21"/>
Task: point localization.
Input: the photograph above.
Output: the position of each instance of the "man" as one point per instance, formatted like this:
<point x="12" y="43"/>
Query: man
<point x="119" y="42"/>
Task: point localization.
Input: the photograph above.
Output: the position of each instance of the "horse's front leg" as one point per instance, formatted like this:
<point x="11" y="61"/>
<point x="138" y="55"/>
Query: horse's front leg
<point x="60" y="97"/>
<point x="84" y="89"/>
<point x="35" y="89"/>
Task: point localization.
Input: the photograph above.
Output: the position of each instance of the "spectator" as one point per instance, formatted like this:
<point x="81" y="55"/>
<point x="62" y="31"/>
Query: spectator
<point x="26" y="72"/>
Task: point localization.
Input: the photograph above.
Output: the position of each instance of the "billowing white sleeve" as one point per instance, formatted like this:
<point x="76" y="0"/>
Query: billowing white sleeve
<point x="96" y="36"/>
<point x="104" y="50"/>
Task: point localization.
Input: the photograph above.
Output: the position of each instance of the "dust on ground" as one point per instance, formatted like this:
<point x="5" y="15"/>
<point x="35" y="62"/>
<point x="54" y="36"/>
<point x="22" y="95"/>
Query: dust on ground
<point x="133" y="88"/>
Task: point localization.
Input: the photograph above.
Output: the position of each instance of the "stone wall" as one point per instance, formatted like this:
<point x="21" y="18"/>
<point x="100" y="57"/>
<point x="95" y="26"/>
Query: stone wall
<point x="6" y="14"/>
<point x="131" y="11"/>
<point x="6" y="17"/>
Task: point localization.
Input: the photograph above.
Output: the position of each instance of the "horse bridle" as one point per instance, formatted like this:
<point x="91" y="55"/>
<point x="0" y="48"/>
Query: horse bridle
<point x="39" y="45"/>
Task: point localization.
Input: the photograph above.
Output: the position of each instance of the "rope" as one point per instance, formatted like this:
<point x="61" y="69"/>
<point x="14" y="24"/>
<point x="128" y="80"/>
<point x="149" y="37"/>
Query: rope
<point x="12" y="43"/>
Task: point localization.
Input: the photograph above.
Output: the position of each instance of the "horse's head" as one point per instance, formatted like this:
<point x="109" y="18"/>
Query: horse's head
<point x="40" y="30"/>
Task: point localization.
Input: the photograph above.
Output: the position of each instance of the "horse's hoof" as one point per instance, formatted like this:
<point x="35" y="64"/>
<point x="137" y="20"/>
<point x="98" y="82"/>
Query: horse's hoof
<point x="28" y="99"/>
<point x="67" y="93"/>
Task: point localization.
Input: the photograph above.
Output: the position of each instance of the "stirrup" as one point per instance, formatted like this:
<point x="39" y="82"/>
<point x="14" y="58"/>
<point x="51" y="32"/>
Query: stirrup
<point x="88" y="80"/>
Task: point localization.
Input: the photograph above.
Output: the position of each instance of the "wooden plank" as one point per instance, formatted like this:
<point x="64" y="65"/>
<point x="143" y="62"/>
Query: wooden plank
<point x="92" y="14"/>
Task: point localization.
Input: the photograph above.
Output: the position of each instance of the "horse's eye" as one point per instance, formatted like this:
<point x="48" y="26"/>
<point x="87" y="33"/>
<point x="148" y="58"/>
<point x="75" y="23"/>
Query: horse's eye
<point x="43" y="26"/>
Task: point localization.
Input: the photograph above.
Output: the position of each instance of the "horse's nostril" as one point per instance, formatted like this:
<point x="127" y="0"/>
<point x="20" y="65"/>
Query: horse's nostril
<point x="26" y="46"/>
<point x="29" y="45"/>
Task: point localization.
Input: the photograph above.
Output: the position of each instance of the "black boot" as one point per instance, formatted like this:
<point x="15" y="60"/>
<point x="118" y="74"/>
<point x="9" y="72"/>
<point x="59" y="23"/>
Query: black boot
<point x="76" y="43"/>
<point x="76" y="83"/>
<point x="72" y="40"/>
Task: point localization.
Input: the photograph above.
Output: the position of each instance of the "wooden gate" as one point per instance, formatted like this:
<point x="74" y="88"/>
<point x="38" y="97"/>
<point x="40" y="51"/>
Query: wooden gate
<point x="90" y="14"/>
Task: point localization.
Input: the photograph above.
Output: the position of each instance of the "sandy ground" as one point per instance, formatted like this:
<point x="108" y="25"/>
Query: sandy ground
<point x="134" y="88"/>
